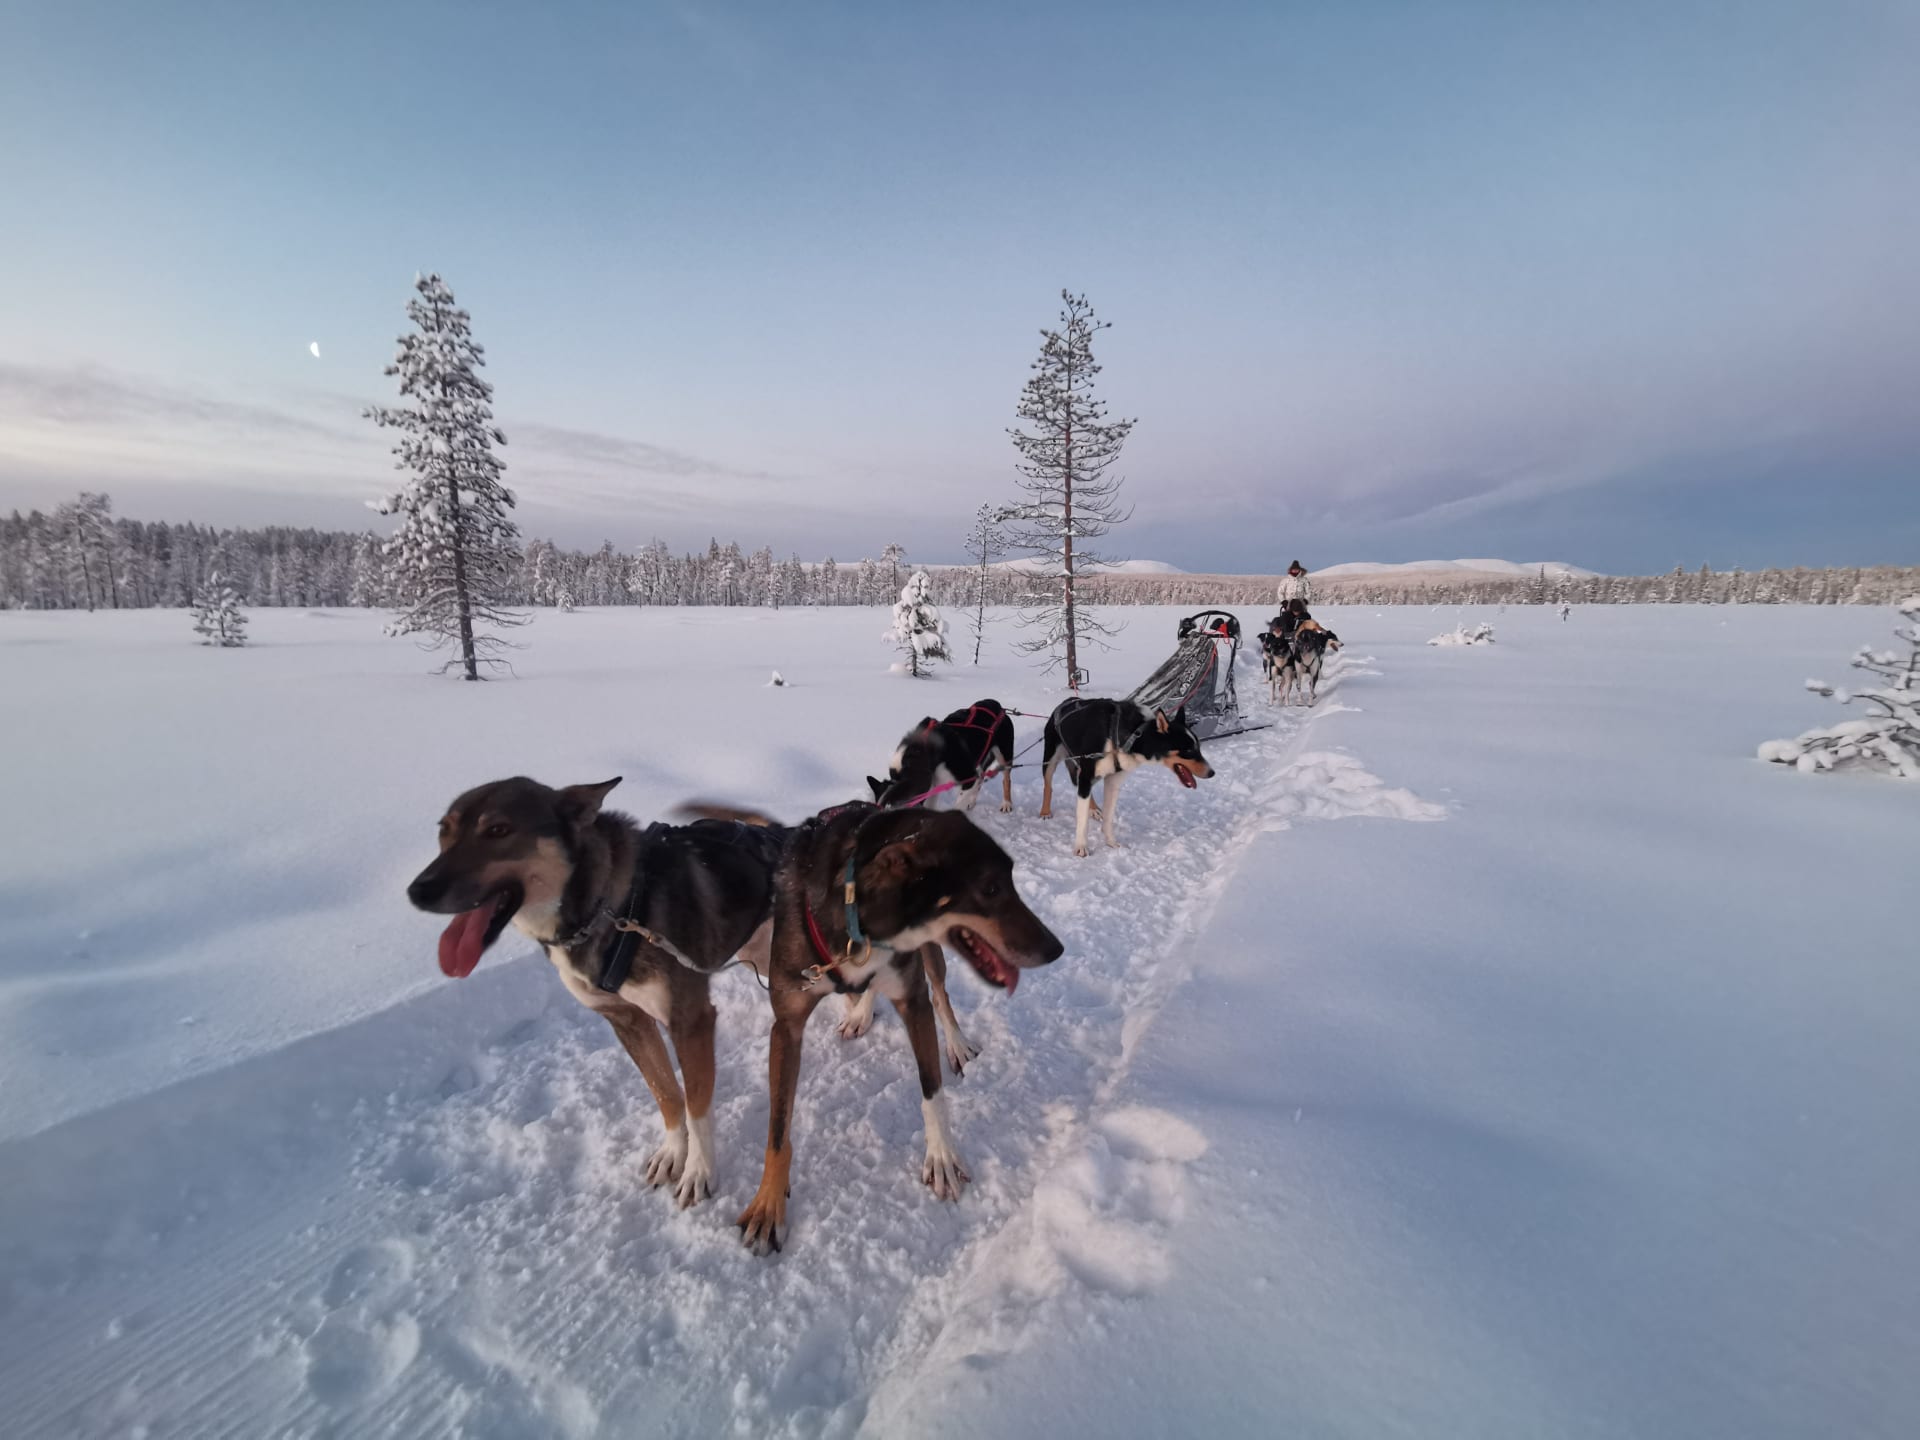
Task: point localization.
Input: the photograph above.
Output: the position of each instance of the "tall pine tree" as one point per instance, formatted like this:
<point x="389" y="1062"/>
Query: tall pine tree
<point x="1064" y="457"/>
<point x="453" y="558"/>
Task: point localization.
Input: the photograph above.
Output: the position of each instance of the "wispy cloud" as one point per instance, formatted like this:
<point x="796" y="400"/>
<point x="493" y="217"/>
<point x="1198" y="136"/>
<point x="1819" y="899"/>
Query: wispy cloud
<point x="89" y="397"/>
<point x="97" y="425"/>
<point x="594" y="450"/>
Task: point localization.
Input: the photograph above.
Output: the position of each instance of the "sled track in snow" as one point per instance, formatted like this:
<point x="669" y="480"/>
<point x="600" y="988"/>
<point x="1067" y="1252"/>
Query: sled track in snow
<point x="432" y="1222"/>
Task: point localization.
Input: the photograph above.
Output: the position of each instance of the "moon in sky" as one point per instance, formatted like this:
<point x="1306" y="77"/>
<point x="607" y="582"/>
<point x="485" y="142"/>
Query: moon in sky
<point x="315" y="348"/>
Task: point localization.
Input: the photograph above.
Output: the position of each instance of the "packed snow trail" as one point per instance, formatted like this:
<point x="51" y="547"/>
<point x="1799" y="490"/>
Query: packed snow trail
<point x="432" y="1222"/>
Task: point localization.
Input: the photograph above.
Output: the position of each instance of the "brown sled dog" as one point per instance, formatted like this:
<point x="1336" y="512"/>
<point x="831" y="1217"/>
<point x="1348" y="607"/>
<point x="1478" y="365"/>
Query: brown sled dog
<point x="636" y="922"/>
<point x="864" y="898"/>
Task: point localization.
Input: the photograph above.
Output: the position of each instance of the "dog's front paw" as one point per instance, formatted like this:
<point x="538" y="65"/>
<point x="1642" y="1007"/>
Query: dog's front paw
<point x="666" y="1163"/>
<point x="1046" y="812"/>
<point x="1081" y="851"/>
<point x="1006" y="807"/>
<point x="859" y="1016"/>
<point x="696" y="1182"/>
<point x="959" y="1051"/>
<point x="763" y="1222"/>
<point x="943" y="1174"/>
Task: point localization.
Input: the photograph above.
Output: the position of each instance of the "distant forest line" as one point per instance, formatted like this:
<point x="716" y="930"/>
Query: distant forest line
<point x="82" y="556"/>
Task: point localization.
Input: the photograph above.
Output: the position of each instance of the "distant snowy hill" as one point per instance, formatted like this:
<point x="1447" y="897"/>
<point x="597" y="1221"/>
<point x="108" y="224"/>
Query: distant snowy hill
<point x="1413" y="568"/>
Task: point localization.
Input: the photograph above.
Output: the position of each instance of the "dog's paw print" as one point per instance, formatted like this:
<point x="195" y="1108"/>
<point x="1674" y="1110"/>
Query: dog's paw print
<point x="365" y="1338"/>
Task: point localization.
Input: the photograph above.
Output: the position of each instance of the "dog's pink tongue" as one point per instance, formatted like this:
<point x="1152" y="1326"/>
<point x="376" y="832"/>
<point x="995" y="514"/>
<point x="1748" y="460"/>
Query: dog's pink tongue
<point x="462" y="941"/>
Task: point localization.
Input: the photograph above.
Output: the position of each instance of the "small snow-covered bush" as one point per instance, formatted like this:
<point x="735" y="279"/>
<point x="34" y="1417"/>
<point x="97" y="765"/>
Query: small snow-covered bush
<point x="1481" y="634"/>
<point x="217" y="616"/>
<point x="1888" y="738"/>
<point x="917" y="627"/>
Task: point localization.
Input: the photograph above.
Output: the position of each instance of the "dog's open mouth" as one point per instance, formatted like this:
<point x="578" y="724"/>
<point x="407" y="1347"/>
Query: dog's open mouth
<point x="987" y="962"/>
<point x="465" y="939"/>
<point x="1186" y="775"/>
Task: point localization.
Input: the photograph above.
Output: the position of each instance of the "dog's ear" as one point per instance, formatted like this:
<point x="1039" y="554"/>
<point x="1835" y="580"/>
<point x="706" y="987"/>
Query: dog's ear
<point x="879" y="787"/>
<point x="580" y="804"/>
<point x="1180" y="717"/>
<point x="1160" y="721"/>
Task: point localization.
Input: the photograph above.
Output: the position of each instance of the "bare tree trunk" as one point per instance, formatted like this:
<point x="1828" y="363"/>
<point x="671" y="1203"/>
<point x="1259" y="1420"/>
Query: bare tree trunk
<point x="461" y="600"/>
<point x="1066" y="526"/>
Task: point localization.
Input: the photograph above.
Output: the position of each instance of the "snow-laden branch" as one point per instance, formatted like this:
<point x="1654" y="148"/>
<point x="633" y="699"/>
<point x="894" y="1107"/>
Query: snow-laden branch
<point x="1888" y="737"/>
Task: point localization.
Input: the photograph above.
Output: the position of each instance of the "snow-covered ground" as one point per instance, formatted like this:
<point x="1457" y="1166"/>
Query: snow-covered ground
<point x="1586" y="1110"/>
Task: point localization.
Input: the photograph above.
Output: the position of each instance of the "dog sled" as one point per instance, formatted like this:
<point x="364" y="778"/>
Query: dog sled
<point x="1198" y="675"/>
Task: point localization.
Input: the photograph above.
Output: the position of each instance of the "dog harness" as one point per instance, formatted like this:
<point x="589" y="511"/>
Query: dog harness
<point x="1120" y="747"/>
<point x="859" y="947"/>
<point x="616" y="965"/>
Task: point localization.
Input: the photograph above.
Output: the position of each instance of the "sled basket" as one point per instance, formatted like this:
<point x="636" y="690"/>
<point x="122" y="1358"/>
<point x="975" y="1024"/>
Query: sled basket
<point x="1198" y="675"/>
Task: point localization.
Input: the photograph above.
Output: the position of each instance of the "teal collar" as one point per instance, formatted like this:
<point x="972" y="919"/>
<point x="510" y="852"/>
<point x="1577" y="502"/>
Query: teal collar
<point x="854" y="935"/>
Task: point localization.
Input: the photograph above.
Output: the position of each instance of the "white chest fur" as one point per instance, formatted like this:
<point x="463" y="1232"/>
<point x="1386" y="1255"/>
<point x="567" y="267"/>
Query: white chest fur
<point x="650" y="993"/>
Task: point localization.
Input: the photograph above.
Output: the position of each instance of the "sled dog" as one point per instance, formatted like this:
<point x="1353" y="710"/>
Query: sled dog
<point x="865" y="898"/>
<point x="1300" y="672"/>
<point x="959" y="750"/>
<point x="1105" y="739"/>
<point x="635" y="921"/>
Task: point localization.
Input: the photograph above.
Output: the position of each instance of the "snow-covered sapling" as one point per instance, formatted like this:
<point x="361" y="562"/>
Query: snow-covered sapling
<point x="917" y="627"/>
<point x="217" y="616"/>
<point x="985" y="544"/>
<point x="1886" y="739"/>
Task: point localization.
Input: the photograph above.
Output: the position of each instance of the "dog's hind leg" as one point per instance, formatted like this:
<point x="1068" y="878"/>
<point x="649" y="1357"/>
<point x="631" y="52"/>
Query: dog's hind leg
<point x="1006" y="784"/>
<point x="942" y="1171"/>
<point x="959" y="1049"/>
<point x="641" y="1038"/>
<point x="858" y="1018"/>
<point x="692" y="1031"/>
<point x="1050" y="759"/>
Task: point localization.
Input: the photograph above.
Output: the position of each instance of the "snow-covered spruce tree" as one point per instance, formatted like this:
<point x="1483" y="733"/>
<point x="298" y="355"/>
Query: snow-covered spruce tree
<point x="1886" y="739"/>
<point x="1064" y="457"/>
<point x="985" y="544"/>
<point x="917" y="627"/>
<point x="454" y="555"/>
<point x="217" y="616"/>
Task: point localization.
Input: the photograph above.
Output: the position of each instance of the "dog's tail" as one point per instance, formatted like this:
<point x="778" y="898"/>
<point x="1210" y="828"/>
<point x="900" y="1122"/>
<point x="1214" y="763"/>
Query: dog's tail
<point x="703" y="810"/>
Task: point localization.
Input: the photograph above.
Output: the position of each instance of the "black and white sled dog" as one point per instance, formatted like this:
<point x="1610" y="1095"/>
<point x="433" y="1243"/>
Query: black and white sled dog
<point x="1104" y="740"/>
<point x="1276" y="647"/>
<point x="958" y="750"/>
<point x="1299" y="672"/>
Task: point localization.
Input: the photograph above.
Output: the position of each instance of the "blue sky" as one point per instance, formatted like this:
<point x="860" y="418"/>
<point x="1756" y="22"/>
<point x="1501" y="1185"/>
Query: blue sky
<point x="1626" y="285"/>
